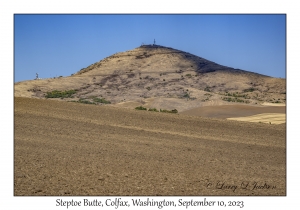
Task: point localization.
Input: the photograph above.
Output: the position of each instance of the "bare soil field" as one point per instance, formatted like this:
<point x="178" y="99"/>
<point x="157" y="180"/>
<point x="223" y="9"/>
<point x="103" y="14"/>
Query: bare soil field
<point x="65" y="148"/>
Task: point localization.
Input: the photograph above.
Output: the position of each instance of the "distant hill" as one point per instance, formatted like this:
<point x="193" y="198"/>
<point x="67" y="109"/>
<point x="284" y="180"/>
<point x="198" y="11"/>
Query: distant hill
<point x="155" y="75"/>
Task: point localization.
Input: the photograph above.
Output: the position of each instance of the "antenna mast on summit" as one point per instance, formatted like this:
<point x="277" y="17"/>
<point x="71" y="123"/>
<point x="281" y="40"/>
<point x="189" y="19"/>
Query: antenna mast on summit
<point x="154" y="42"/>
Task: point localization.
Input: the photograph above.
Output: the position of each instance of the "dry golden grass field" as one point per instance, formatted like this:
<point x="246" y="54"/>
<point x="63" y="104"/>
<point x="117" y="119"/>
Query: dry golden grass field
<point x="259" y="114"/>
<point x="65" y="148"/>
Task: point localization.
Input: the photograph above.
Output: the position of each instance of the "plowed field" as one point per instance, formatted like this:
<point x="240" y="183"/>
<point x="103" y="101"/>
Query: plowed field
<point x="65" y="148"/>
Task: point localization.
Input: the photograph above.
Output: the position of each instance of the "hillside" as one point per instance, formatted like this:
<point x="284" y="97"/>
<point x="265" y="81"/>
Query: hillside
<point x="161" y="77"/>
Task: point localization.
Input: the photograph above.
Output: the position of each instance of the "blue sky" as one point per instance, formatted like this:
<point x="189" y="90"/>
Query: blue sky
<point x="60" y="45"/>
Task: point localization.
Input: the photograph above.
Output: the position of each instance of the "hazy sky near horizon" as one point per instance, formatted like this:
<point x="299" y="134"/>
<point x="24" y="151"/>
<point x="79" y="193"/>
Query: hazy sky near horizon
<point x="60" y="45"/>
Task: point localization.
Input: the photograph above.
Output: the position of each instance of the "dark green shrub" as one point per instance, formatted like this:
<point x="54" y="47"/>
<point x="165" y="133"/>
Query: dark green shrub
<point x="60" y="94"/>
<point x="235" y="100"/>
<point x="249" y="90"/>
<point x="207" y="94"/>
<point x="186" y="95"/>
<point x="101" y="100"/>
<point x="153" y="110"/>
<point x="168" y="111"/>
<point x="207" y="89"/>
<point x="140" y="108"/>
<point x="174" y="111"/>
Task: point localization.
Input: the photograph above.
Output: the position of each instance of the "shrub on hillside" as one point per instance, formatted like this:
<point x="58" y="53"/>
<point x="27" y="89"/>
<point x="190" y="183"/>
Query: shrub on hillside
<point x="186" y="95"/>
<point x="207" y="89"/>
<point x="140" y="108"/>
<point x="153" y="110"/>
<point x="229" y="99"/>
<point x="249" y="90"/>
<point x="169" y="111"/>
<point x="174" y="111"/>
<point x="60" y="94"/>
<point x="101" y="100"/>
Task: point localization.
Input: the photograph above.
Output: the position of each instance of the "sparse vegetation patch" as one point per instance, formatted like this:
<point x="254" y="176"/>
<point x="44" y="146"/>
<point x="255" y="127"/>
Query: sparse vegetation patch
<point x="140" y="108"/>
<point x="249" y="90"/>
<point x="153" y="110"/>
<point x="60" y="94"/>
<point x="186" y="95"/>
<point x="156" y="110"/>
<point x="169" y="111"/>
<point x="101" y="100"/>
<point x="236" y="94"/>
<point x="207" y="89"/>
<point x="276" y="102"/>
<point x="229" y="99"/>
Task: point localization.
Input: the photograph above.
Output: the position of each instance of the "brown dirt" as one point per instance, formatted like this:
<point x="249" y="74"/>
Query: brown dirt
<point x="64" y="148"/>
